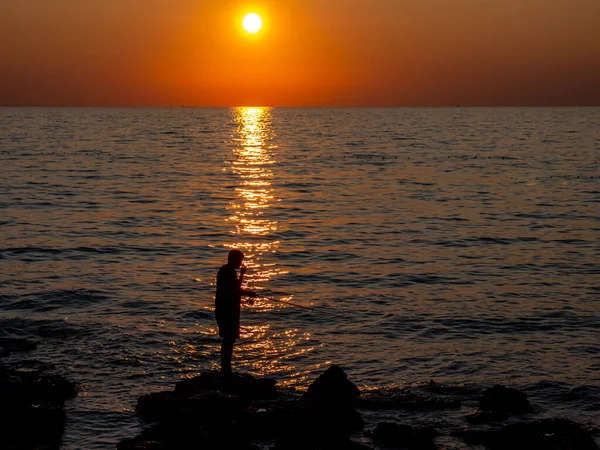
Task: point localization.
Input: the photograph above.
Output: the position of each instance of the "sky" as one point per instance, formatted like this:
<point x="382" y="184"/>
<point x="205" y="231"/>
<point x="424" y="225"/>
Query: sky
<point x="309" y="53"/>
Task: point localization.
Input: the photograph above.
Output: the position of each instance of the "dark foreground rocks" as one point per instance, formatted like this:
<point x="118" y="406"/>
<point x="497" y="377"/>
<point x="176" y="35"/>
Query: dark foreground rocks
<point x="212" y="412"/>
<point x="32" y="414"/>
<point x="246" y="413"/>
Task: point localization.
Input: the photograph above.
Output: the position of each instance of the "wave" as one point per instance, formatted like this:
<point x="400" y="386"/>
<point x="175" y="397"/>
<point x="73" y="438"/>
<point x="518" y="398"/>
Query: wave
<point x="53" y="300"/>
<point x="99" y="250"/>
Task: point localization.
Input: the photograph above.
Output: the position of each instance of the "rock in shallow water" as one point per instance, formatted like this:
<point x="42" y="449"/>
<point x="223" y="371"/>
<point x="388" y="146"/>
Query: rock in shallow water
<point x="501" y="399"/>
<point x="332" y="389"/>
<point x="11" y="345"/>
<point x="499" y="403"/>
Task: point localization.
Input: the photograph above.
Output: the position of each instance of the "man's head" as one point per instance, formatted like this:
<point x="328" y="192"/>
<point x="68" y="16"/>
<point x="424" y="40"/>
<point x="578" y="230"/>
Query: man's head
<point x="235" y="258"/>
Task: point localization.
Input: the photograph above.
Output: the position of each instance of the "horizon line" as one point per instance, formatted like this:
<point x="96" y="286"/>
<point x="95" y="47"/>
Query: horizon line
<point x="301" y="106"/>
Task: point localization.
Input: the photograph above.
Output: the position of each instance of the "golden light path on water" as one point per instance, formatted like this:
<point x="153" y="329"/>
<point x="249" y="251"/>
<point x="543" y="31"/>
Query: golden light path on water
<point x="261" y="349"/>
<point x="266" y="346"/>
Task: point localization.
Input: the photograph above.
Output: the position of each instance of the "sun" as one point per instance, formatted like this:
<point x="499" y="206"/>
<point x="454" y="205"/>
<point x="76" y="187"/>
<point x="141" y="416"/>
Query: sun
<point x="252" y="23"/>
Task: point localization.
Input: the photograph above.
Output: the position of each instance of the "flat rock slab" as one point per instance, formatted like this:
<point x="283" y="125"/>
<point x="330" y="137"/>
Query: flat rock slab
<point x="244" y="386"/>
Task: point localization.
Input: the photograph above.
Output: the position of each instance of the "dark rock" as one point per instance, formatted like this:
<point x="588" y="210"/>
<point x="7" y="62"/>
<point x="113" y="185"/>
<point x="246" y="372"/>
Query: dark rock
<point x="241" y="385"/>
<point x="328" y="406"/>
<point x="547" y="434"/>
<point x="32" y="408"/>
<point x="16" y="345"/>
<point x="208" y="397"/>
<point x="186" y="436"/>
<point x="396" y="435"/>
<point x="212" y="412"/>
<point x="29" y="426"/>
<point x="328" y="422"/>
<point x="170" y="407"/>
<point x="33" y="387"/>
<point x="332" y="389"/>
<point x="500" y="399"/>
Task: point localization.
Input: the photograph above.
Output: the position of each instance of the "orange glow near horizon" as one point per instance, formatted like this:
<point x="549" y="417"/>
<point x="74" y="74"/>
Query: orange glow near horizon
<point x="339" y="52"/>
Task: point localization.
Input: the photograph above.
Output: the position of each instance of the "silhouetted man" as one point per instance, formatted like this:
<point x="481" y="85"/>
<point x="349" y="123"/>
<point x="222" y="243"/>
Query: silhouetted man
<point x="228" y="304"/>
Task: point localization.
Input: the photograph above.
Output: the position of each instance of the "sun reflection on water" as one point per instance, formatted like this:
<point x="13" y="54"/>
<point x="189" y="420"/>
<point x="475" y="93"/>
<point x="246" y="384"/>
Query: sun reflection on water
<point x="268" y="346"/>
<point x="253" y="226"/>
<point x="262" y="350"/>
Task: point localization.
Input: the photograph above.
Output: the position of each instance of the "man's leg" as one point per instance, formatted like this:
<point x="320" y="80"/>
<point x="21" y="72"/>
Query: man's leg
<point x="226" y="353"/>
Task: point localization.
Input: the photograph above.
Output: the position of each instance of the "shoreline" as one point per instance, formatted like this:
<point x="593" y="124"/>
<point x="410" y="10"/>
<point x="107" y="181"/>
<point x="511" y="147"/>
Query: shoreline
<point x="245" y="412"/>
<point x="331" y="412"/>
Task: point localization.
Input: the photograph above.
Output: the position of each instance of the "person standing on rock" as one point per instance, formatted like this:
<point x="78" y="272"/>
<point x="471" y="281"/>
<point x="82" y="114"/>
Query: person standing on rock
<point x="228" y="303"/>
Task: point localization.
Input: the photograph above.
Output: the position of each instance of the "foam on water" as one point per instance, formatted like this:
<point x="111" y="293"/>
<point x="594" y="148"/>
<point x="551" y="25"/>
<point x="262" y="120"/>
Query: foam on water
<point x="459" y="244"/>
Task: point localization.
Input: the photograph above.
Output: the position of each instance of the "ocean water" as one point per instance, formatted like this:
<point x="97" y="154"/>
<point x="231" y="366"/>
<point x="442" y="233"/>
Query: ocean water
<point x="457" y="244"/>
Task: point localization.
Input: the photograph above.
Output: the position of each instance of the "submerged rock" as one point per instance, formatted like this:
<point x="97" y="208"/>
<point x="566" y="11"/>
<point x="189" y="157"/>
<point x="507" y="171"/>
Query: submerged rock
<point x="499" y="403"/>
<point x="501" y="399"/>
<point x="11" y="345"/>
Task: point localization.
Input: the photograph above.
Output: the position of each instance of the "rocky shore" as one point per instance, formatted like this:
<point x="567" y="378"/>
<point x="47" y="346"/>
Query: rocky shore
<point x="246" y="413"/>
<point x="243" y="412"/>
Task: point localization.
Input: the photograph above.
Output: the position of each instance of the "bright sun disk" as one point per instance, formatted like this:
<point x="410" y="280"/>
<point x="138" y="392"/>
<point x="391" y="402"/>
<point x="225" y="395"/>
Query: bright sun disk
<point x="252" y="23"/>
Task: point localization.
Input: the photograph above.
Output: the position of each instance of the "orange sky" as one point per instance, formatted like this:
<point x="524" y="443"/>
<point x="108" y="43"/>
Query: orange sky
<point x="311" y="52"/>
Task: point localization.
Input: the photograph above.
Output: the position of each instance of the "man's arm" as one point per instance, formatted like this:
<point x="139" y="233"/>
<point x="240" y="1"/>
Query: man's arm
<point x="243" y="291"/>
<point x="243" y="271"/>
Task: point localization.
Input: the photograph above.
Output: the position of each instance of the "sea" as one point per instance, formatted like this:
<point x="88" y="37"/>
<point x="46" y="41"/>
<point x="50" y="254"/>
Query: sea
<point x="403" y="244"/>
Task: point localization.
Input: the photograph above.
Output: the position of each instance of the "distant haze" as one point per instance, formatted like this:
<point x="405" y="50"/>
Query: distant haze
<point x="311" y="52"/>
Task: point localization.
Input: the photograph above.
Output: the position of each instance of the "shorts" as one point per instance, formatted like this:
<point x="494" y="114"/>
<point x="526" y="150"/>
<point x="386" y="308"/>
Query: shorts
<point x="229" y="329"/>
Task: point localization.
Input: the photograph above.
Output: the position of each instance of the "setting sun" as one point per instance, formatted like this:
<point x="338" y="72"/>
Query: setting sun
<point x="252" y="23"/>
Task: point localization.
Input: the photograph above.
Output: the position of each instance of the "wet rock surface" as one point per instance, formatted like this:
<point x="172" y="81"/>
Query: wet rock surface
<point x="243" y="412"/>
<point x="32" y="414"/>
